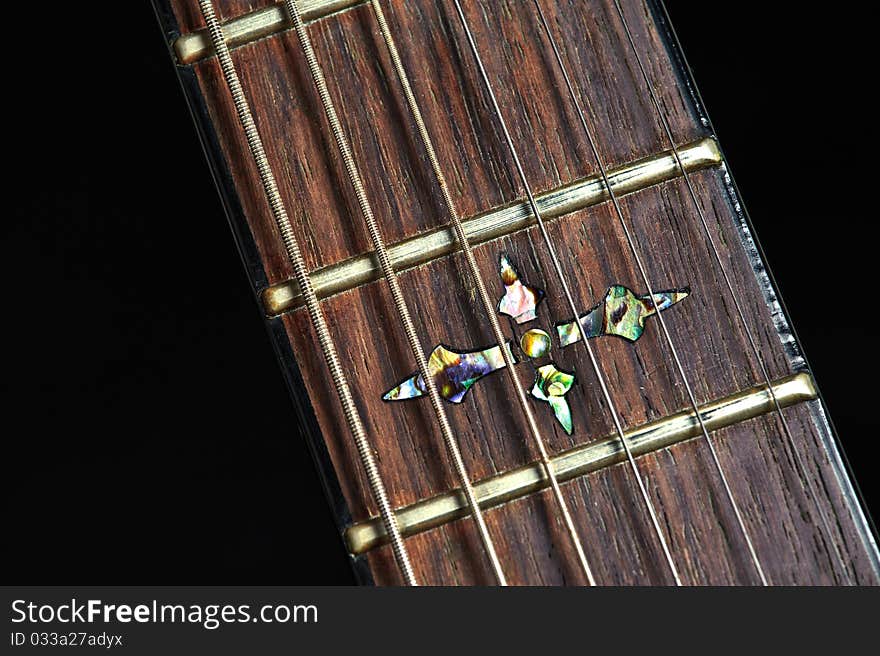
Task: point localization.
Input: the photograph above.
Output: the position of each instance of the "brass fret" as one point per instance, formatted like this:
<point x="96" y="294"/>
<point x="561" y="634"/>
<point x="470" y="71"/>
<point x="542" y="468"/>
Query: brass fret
<point x="579" y="461"/>
<point x="195" y="46"/>
<point x="553" y="204"/>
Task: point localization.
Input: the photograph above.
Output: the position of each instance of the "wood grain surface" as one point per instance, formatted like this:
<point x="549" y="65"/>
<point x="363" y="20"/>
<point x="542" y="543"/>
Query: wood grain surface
<point x="644" y="383"/>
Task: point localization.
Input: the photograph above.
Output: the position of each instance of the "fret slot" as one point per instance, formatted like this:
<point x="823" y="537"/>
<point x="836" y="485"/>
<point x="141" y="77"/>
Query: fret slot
<point x="582" y="460"/>
<point x="499" y="222"/>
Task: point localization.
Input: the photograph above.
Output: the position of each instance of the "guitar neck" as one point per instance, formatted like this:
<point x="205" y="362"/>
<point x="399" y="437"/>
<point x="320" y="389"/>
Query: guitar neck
<point x="710" y="406"/>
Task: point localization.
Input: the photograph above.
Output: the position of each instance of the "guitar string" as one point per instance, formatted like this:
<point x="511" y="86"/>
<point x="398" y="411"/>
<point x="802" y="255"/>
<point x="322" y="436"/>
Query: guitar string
<point x="316" y="314"/>
<point x="570" y="299"/>
<point x="390" y="276"/>
<point x="480" y="287"/>
<point x="644" y="275"/>
<point x="811" y="489"/>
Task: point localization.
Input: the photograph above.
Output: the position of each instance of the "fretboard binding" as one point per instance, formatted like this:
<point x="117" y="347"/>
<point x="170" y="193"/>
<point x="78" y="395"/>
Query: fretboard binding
<point x="495" y="223"/>
<point x="582" y="460"/>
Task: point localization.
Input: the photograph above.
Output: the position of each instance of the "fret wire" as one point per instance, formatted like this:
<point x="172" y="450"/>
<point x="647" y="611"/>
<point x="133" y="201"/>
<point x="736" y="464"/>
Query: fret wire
<point x="316" y="314"/>
<point x="660" y="314"/>
<point x="649" y="506"/>
<point x="798" y="458"/>
<point x="396" y="291"/>
<point x="481" y="290"/>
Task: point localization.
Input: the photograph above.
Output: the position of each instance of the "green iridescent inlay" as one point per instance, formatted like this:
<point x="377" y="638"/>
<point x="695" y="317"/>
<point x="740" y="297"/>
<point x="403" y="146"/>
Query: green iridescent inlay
<point x="551" y="385"/>
<point x="535" y="343"/>
<point x="454" y="373"/>
<point x="622" y="313"/>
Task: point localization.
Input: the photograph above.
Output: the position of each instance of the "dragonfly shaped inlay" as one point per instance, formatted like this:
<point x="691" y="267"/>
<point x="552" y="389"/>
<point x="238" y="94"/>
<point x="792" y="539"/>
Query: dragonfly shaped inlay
<point x="621" y="313"/>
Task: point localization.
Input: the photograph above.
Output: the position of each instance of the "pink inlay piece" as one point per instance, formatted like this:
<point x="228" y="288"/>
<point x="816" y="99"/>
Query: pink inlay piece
<point x="519" y="301"/>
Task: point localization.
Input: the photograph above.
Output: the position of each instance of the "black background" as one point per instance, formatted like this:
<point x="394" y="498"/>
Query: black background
<point x="148" y="436"/>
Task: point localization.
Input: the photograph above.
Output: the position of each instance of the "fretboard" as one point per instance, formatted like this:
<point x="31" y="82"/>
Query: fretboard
<point x="666" y="428"/>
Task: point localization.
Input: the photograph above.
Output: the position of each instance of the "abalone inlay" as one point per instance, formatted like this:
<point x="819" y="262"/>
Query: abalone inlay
<point x="535" y="343"/>
<point x="551" y="385"/>
<point x="622" y="313"/>
<point x="453" y="372"/>
<point x="520" y="301"/>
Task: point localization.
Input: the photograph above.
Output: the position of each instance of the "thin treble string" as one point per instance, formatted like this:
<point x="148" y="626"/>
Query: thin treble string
<point x="570" y="299"/>
<point x="660" y="315"/>
<point x="396" y="292"/>
<point x="480" y="285"/>
<point x="811" y="490"/>
<point x="316" y="314"/>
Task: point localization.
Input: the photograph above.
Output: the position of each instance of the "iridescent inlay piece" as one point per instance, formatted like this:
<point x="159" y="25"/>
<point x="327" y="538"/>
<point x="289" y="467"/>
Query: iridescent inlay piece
<point x="551" y="385"/>
<point x="519" y="301"/>
<point x="453" y="373"/>
<point x="535" y="343"/>
<point x="622" y="313"/>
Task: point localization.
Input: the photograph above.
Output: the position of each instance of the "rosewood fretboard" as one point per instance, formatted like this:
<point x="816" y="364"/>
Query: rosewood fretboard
<point x="781" y="507"/>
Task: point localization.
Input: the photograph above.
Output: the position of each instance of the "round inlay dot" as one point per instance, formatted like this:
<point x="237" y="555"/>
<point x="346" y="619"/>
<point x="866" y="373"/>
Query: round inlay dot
<point x="535" y="343"/>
